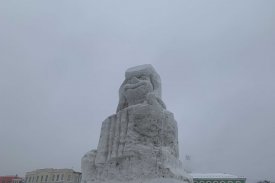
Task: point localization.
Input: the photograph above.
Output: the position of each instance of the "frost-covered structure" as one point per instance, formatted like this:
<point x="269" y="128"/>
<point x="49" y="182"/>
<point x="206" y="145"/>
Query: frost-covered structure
<point x="138" y="144"/>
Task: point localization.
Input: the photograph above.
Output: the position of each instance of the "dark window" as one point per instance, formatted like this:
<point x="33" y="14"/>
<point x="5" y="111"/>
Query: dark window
<point x="41" y="178"/>
<point x="46" y="179"/>
<point x="62" y="176"/>
<point x="57" y="177"/>
<point x="37" y="178"/>
<point x="53" y="177"/>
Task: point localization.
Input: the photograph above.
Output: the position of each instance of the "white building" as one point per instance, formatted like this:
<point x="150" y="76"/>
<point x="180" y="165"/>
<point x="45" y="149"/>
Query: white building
<point x="216" y="178"/>
<point x="50" y="175"/>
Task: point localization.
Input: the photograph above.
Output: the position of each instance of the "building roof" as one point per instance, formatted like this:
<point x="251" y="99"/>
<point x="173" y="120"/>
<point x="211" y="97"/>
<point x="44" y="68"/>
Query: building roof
<point x="11" y="176"/>
<point x="52" y="170"/>
<point x="215" y="176"/>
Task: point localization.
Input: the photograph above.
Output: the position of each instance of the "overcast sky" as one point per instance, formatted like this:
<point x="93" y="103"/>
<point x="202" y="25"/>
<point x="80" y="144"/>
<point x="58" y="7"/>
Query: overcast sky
<point x="62" y="63"/>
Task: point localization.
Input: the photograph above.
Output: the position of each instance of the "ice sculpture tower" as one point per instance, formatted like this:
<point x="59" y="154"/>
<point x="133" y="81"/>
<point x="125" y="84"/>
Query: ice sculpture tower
<point x="138" y="144"/>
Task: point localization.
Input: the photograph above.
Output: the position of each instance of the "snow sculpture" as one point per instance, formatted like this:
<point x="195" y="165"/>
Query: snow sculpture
<point x="138" y="144"/>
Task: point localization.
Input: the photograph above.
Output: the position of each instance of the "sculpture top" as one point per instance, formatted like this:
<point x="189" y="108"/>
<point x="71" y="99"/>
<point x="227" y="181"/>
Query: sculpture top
<point x="142" y="84"/>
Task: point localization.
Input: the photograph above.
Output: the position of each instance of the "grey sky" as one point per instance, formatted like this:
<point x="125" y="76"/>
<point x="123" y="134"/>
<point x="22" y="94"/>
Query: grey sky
<point x="62" y="62"/>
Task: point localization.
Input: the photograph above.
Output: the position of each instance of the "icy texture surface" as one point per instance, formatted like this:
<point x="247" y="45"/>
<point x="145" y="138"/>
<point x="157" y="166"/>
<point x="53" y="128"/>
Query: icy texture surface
<point x="140" y="142"/>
